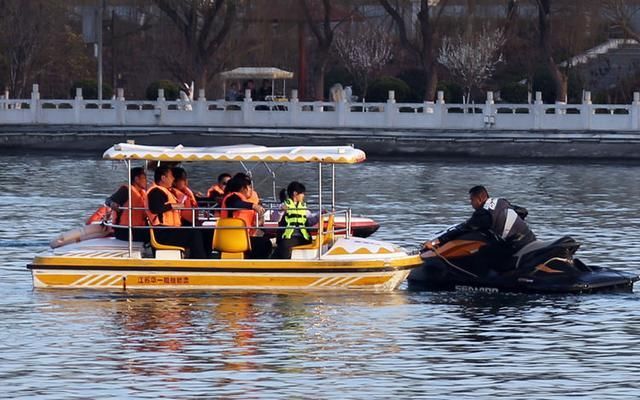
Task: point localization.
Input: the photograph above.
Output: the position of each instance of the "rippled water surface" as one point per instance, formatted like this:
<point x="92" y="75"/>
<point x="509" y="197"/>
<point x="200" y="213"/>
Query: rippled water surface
<point x="86" y="344"/>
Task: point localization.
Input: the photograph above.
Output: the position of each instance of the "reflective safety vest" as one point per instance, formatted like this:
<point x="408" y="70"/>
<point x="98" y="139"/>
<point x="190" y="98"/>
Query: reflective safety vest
<point x="248" y="216"/>
<point x="190" y="202"/>
<point x="505" y="222"/>
<point x="295" y="219"/>
<point x="169" y="217"/>
<point x="215" y="190"/>
<point x="138" y="200"/>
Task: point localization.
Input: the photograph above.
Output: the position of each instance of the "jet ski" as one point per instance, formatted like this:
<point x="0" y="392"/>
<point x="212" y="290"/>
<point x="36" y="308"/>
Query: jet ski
<point x="467" y="263"/>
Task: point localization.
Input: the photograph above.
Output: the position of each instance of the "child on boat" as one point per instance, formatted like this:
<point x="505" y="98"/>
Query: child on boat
<point x="295" y="220"/>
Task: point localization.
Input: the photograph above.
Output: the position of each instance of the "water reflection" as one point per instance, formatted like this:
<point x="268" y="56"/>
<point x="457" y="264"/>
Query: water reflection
<point x="84" y="344"/>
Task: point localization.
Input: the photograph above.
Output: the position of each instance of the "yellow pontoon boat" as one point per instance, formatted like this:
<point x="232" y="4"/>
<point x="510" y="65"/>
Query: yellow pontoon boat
<point x="334" y="260"/>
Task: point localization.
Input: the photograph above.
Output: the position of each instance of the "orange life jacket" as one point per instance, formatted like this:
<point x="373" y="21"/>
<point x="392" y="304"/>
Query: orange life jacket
<point x="254" y="198"/>
<point x="170" y="217"/>
<point x="99" y="216"/>
<point x="190" y="202"/>
<point x="215" y="190"/>
<point x="248" y="216"/>
<point x="138" y="200"/>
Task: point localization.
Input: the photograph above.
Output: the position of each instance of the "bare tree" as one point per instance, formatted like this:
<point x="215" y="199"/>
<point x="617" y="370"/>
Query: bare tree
<point x="324" y="37"/>
<point x="364" y="54"/>
<point x="23" y="38"/>
<point x="39" y="45"/>
<point x="424" y="45"/>
<point x="472" y="59"/>
<point x="620" y="13"/>
<point x="204" y="25"/>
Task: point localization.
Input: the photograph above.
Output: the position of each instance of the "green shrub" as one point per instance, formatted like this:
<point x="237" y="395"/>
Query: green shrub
<point x="514" y="92"/>
<point x="379" y="89"/>
<point x="543" y="82"/>
<point x="171" y="90"/>
<point x="453" y="92"/>
<point x="90" y="89"/>
<point x="416" y="80"/>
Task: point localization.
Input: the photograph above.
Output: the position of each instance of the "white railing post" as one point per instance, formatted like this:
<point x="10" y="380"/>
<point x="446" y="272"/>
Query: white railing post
<point x="35" y="103"/>
<point x="341" y="111"/>
<point x="121" y="107"/>
<point x="439" y="109"/>
<point x="390" y="108"/>
<point x="635" y="110"/>
<point x="489" y="115"/>
<point x="538" y="111"/>
<point x="201" y="107"/>
<point x="160" y="105"/>
<point x="78" y="105"/>
<point x="247" y="107"/>
<point x="5" y="96"/>
<point x="587" y="110"/>
<point x="294" y="108"/>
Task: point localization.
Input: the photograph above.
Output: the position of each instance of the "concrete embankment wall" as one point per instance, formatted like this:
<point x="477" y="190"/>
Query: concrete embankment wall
<point x="622" y="145"/>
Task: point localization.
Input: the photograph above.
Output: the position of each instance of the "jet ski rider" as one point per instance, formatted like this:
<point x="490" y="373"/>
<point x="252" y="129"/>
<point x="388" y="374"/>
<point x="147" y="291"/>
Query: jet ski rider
<point x="496" y="215"/>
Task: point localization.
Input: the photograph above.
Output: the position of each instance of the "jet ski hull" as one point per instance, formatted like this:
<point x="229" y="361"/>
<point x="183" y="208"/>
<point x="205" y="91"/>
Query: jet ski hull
<point x="434" y="278"/>
<point x="542" y="268"/>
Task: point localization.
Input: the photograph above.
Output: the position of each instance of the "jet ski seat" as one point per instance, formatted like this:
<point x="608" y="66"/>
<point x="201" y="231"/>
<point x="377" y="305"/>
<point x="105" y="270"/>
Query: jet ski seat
<point x="534" y="248"/>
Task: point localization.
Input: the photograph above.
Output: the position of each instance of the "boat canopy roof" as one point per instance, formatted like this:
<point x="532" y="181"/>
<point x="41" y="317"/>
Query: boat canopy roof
<point x="256" y="73"/>
<point x="243" y="152"/>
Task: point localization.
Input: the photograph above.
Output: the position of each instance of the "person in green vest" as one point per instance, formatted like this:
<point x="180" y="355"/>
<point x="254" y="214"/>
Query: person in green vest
<point x="295" y="221"/>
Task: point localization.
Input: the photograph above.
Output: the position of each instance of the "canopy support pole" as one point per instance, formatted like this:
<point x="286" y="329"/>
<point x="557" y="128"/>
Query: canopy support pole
<point x="333" y="188"/>
<point x="321" y="220"/>
<point x="129" y="202"/>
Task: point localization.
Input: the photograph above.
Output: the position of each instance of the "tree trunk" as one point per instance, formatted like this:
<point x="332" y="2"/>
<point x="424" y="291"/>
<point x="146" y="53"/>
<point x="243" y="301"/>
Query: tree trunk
<point x="544" y="24"/>
<point x="431" y="85"/>
<point x="201" y="78"/>
<point x="559" y="80"/>
<point x="319" y="78"/>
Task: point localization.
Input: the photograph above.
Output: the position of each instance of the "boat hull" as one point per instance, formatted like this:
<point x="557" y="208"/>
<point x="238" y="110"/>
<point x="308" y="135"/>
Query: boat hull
<point x="130" y="274"/>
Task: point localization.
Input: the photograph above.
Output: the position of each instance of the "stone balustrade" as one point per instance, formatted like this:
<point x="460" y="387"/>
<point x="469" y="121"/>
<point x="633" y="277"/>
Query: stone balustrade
<point x="293" y="113"/>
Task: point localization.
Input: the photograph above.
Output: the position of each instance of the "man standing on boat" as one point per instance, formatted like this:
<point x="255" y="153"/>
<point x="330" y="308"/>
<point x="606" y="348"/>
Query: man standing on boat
<point x="164" y="212"/>
<point x="496" y="215"/>
<point x="119" y="204"/>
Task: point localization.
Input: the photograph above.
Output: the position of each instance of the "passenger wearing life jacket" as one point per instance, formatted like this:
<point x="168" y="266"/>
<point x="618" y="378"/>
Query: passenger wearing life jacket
<point x="119" y="204"/>
<point x="217" y="190"/>
<point x="497" y="216"/>
<point x="165" y="213"/>
<point x="184" y="195"/>
<point x="236" y="204"/>
<point x="253" y="196"/>
<point x="295" y="220"/>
